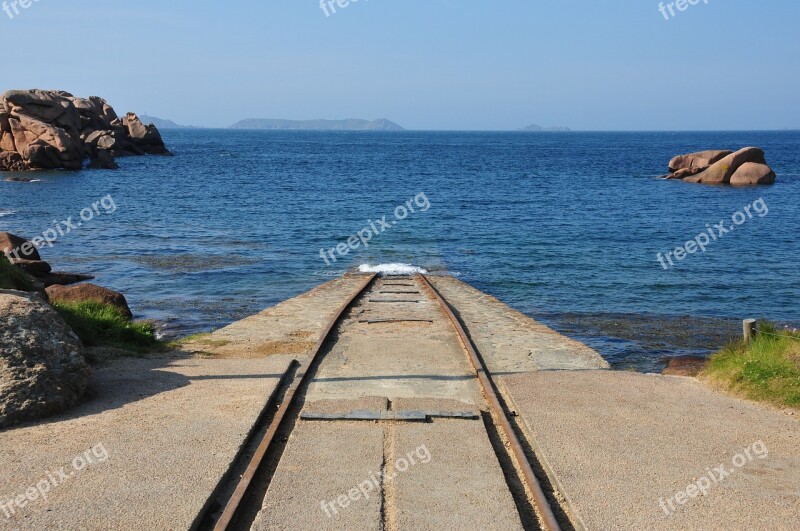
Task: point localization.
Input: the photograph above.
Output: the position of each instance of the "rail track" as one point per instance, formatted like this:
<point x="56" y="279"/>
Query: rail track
<point x="237" y="510"/>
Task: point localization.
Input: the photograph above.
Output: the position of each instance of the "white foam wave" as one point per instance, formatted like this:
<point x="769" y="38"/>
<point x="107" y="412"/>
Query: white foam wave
<point x="391" y="269"/>
<point x="4" y="213"/>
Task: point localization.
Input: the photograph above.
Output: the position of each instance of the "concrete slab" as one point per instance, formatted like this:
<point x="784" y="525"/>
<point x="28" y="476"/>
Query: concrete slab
<point x="619" y="443"/>
<point x="510" y="341"/>
<point x="316" y="485"/>
<point x="395" y="360"/>
<point x="161" y="433"/>
<point x="292" y="327"/>
<point x="461" y="486"/>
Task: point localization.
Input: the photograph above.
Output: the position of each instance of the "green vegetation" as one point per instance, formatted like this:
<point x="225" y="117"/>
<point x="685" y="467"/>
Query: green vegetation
<point x="99" y="324"/>
<point x="14" y="278"/>
<point x="202" y="339"/>
<point x="767" y="370"/>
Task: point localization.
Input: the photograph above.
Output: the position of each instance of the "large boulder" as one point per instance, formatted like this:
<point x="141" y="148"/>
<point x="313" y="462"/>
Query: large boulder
<point x="89" y="292"/>
<point x="42" y="370"/>
<point x="697" y="161"/>
<point x="752" y="173"/>
<point x="721" y="171"/>
<point x="17" y="247"/>
<point x="49" y="129"/>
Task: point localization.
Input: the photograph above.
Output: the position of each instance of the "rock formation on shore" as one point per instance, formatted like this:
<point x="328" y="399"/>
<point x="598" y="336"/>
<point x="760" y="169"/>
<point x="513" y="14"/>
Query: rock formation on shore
<point x="42" y="369"/>
<point x="744" y="167"/>
<point x="24" y="255"/>
<point x="48" y="129"/>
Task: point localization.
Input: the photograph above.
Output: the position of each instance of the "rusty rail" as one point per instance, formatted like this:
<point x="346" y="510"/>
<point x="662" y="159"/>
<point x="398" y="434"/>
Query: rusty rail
<point x="497" y="412"/>
<point x="229" y="513"/>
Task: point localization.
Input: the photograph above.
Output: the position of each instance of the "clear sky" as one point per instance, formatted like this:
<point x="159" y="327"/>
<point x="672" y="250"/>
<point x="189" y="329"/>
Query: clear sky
<point x="426" y="64"/>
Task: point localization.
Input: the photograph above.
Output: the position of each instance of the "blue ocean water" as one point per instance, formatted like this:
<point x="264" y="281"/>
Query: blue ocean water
<point x="562" y="226"/>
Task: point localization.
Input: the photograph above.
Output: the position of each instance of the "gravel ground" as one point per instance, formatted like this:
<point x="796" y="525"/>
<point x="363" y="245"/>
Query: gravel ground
<point x="620" y="442"/>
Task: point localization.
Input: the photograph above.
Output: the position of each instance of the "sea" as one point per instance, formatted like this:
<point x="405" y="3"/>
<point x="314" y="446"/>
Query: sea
<point x="576" y="229"/>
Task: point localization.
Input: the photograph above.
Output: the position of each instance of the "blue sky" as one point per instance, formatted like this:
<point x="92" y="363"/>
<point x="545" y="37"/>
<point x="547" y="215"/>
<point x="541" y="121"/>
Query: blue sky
<point x="426" y="64"/>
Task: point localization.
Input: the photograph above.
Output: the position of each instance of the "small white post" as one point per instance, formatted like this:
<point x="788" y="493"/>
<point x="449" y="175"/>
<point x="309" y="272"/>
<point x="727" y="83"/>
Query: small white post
<point x="749" y="329"/>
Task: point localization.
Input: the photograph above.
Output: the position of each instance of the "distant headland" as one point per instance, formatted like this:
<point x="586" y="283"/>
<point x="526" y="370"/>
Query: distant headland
<point x="380" y="124"/>
<point x="163" y="123"/>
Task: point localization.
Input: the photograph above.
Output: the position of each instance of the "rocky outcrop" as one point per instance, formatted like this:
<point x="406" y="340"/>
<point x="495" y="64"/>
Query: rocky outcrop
<point x="24" y="255"/>
<point x="48" y="129"/>
<point x="89" y="292"/>
<point x="145" y="137"/>
<point x="42" y="370"/>
<point x="744" y="167"/>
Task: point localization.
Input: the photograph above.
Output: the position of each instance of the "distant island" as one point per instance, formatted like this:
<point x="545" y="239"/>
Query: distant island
<point x="163" y="123"/>
<point x="533" y="128"/>
<point x="380" y="124"/>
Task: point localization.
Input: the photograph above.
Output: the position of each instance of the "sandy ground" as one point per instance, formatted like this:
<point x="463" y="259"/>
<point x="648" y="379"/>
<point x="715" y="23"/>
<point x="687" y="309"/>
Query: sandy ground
<point x="161" y="434"/>
<point x="621" y="442"/>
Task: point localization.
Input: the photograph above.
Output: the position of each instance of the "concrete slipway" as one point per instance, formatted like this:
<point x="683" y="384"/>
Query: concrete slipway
<point x="614" y="444"/>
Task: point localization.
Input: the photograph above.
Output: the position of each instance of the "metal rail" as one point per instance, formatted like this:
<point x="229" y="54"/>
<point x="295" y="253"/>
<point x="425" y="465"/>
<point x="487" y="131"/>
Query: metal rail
<point x="228" y="514"/>
<point x="539" y="498"/>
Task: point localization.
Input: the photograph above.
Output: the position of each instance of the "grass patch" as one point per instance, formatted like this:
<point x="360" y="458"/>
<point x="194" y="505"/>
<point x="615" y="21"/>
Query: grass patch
<point x="14" y="278"/>
<point x="99" y="324"/>
<point x="766" y="370"/>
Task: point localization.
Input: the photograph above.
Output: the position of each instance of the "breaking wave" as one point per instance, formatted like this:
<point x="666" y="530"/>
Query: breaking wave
<point x="391" y="269"/>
